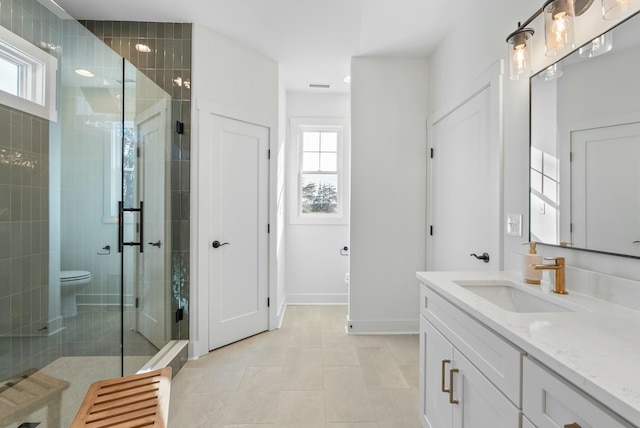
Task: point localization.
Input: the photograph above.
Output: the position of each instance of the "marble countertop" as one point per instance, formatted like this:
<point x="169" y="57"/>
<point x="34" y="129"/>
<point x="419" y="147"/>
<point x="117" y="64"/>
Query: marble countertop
<point x="597" y="348"/>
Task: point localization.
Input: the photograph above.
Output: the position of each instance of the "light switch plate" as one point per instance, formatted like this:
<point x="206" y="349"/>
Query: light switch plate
<point x="514" y="225"/>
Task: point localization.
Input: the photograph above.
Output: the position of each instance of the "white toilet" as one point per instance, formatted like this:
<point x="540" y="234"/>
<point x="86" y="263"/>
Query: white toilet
<point x="72" y="281"/>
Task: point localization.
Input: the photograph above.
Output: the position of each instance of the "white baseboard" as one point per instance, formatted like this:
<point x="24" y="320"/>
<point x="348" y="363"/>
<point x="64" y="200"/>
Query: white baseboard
<point x="103" y="300"/>
<point x="197" y="349"/>
<point x="407" y="326"/>
<point x="55" y="325"/>
<point x="316" y="299"/>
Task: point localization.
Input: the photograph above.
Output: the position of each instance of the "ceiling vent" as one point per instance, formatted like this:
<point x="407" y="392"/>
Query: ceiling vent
<point x="319" y="85"/>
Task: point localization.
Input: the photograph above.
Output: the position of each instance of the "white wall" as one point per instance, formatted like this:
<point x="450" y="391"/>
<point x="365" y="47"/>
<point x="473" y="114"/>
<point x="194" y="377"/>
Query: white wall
<point x="388" y="185"/>
<point x="242" y="84"/>
<point x="451" y="70"/>
<point x="315" y="268"/>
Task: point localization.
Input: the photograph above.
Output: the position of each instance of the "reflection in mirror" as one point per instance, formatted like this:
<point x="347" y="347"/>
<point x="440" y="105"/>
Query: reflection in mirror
<point x="585" y="146"/>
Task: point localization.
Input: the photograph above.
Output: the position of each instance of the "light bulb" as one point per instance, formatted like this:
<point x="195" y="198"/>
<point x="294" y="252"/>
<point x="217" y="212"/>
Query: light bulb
<point x="519" y="56"/>
<point x="559" y="37"/>
<point x="559" y="28"/>
<point x="521" y="59"/>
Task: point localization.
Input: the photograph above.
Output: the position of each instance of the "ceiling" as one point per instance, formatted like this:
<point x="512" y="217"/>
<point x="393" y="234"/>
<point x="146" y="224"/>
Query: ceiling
<point x="312" y="40"/>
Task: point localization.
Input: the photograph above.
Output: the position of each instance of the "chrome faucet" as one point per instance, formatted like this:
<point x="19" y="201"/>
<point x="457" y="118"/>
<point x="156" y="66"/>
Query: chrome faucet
<point x="558" y="267"/>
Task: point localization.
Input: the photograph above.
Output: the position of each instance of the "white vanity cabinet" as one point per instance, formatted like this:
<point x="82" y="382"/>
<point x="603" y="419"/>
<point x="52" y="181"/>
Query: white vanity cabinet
<point x="482" y="366"/>
<point x="550" y="402"/>
<point x="453" y="391"/>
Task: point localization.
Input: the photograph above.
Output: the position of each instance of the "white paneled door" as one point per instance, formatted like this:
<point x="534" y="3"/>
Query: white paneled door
<point x="153" y="269"/>
<point x="605" y="166"/>
<point x="465" y="186"/>
<point x="237" y="191"/>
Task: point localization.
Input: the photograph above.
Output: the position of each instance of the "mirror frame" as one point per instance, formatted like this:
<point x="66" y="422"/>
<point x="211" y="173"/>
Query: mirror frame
<point x="535" y="76"/>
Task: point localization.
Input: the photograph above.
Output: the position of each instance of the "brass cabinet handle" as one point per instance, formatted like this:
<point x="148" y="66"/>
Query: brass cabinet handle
<point x="451" y="372"/>
<point x="444" y="363"/>
<point x="573" y="425"/>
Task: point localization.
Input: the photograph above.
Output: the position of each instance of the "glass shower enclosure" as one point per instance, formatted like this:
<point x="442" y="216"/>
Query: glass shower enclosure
<point x="85" y="281"/>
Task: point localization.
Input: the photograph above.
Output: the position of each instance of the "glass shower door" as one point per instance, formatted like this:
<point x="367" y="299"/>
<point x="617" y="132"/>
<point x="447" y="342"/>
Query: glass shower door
<point x="146" y="184"/>
<point x="73" y="308"/>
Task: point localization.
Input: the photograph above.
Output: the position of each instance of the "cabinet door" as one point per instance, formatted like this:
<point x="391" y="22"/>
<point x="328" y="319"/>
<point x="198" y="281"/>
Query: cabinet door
<point x="435" y="351"/>
<point x="480" y="403"/>
<point x="550" y="402"/>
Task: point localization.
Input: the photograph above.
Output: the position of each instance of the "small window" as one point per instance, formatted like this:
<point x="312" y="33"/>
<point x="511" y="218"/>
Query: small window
<point x="9" y="76"/>
<point x="27" y="76"/>
<point x="319" y="171"/>
<point x="319" y="176"/>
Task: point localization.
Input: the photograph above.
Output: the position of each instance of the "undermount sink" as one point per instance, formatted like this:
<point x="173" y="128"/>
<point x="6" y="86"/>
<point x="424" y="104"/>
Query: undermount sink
<point x="514" y="298"/>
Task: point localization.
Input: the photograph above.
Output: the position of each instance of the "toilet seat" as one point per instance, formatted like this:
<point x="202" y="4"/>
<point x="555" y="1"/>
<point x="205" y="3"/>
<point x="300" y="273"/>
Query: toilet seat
<point x="71" y="282"/>
<point x="74" y="276"/>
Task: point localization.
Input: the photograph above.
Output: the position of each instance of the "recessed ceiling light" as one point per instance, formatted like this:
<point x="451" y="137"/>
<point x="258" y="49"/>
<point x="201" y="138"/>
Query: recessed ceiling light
<point x="84" y="73"/>
<point x="347" y="79"/>
<point x="140" y="47"/>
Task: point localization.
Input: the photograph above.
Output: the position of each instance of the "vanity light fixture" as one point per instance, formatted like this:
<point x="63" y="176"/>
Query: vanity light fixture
<point x="519" y="53"/>
<point x="615" y="9"/>
<point x="552" y="72"/>
<point x="558" y="26"/>
<point x="559" y="34"/>
<point x="598" y="46"/>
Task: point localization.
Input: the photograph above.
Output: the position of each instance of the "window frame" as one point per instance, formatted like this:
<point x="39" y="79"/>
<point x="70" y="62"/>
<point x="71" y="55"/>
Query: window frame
<point x="37" y="72"/>
<point x="298" y="126"/>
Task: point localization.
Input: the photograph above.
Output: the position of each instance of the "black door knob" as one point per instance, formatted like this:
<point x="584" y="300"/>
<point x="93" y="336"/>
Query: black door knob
<point x="484" y="257"/>
<point x="217" y="244"/>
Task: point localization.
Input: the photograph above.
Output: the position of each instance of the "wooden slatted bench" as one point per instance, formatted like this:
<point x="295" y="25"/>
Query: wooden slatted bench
<point x="140" y="400"/>
<point x="29" y="392"/>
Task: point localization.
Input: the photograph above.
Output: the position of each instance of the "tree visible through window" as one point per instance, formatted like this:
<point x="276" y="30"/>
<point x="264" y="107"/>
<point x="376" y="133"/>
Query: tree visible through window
<point x="319" y="178"/>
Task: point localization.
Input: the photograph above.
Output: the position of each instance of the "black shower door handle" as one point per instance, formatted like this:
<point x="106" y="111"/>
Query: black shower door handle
<point x="121" y="211"/>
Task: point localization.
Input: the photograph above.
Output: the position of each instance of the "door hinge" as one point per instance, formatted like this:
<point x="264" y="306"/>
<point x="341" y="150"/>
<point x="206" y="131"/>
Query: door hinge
<point x="179" y="315"/>
<point x="179" y="127"/>
<point x="570" y="156"/>
<point x="138" y="152"/>
<point x="268" y="302"/>
<point x="269" y="154"/>
<point x="269" y="228"/>
<point x="137" y="302"/>
<point x="570" y="227"/>
<point x="431" y="230"/>
<point x="431" y="153"/>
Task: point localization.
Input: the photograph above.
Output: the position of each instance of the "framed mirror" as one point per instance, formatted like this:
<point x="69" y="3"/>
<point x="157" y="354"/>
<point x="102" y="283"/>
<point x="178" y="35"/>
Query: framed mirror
<point x="584" y="188"/>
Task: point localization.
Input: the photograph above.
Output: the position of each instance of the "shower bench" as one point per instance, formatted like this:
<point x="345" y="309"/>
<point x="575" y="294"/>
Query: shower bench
<point x="140" y="400"/>
<point x="28" y="393"/>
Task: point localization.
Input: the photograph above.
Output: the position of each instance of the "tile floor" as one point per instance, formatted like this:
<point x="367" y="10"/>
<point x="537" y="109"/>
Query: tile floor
<point x="308" y="374"/>
<point x="90" y="333"/>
